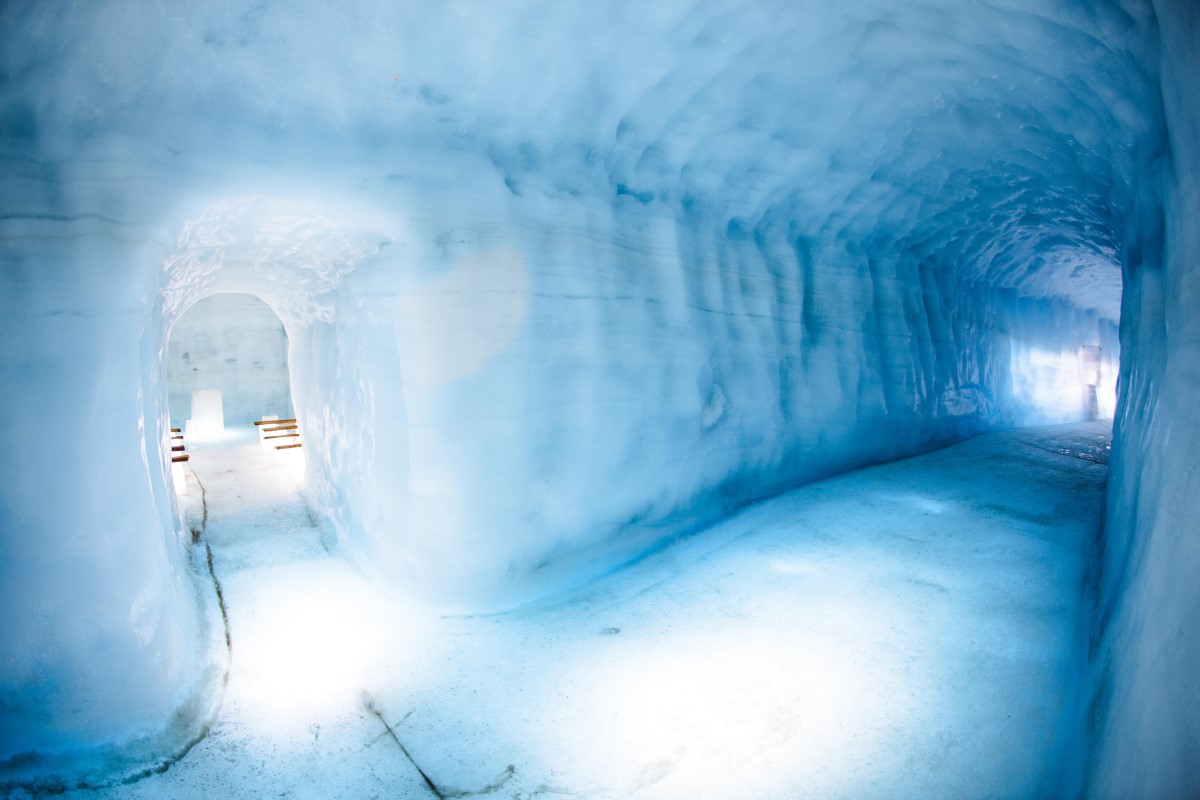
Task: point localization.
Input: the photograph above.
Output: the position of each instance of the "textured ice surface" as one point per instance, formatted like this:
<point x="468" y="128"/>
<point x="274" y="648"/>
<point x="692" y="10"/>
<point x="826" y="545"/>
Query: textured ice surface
<point x="560" y="282"/>
<point x="908" y="630"/>
<point x="1146" y="696"/>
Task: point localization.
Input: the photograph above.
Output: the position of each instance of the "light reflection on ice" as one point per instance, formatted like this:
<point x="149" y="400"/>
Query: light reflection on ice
<point x="928" y="505"/>
<point x="702" y="702"/>
<point x="306" y="646"/>
<point x="1053" y="384"/>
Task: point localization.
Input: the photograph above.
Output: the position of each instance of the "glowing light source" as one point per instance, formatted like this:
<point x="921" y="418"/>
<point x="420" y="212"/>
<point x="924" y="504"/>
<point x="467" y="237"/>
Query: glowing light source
<point x="710" y="715"/>
<point x="307" y="646"/>
<point x="1060" y="385"/>
<point x="208" y="415"/>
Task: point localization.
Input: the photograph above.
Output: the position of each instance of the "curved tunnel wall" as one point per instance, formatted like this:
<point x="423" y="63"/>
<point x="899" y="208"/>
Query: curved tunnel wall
<point x="1144" y="719"/>
<point x="776" y="249"/>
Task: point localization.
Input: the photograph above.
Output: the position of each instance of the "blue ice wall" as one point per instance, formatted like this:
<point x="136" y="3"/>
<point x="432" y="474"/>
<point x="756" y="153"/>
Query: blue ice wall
<point x="560" y="283"/>
<point x="1145" y="714"/>
<point x="102" y="635"/>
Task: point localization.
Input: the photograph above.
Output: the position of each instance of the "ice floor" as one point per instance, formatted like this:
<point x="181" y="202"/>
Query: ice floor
<point x="906" y="630"/>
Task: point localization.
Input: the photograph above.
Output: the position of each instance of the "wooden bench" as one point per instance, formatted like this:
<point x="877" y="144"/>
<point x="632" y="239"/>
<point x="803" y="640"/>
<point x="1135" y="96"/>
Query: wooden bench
<point x="179" y="457"/>
<point x="272" y="430"/>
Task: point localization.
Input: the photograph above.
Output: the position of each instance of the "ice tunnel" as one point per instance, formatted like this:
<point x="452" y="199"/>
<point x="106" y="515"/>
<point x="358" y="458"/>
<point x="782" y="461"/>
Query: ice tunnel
<point x="565" y="283"/>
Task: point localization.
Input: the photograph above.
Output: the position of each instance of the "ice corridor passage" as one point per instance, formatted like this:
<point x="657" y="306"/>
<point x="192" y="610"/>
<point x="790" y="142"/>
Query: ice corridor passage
<point x="905" y="630"/>
<point x="570" y="301"/>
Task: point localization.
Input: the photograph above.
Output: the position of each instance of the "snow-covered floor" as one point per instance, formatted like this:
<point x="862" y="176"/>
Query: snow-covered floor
<point x="907" y="630"/>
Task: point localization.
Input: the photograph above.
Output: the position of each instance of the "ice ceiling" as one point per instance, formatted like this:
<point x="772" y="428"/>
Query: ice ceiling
<point x="994" y="139"/>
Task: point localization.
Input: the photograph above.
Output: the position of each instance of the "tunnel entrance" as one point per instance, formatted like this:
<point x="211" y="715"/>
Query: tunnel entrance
<point x="227" y="366"/>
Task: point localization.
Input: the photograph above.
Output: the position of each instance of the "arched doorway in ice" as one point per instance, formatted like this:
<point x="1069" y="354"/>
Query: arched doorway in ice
<point x="227" y="366"/>
<point x="259" y="301"/>
<point x="246" y="265"/>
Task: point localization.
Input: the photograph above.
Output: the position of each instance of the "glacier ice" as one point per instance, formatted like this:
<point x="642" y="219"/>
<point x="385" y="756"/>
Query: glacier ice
<point x="562" y="284"/>
<point x="1144" y="732"/>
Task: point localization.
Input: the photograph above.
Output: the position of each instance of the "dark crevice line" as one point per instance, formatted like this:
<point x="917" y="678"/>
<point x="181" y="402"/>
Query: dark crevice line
<point x="220" y="598"/>
<point x="58" y="788"/>
<point x="372" y="709"/>
<point x="442" y="794"/>
<point x="203" y="504"/>
<point x="208" y="556"/>
<point x="495" y="786"/>
<point x="166" y="764"/>
<point x="386" y="732"/>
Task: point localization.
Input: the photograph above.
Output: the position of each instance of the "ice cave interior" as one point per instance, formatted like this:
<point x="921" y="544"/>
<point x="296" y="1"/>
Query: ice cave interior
<point x="564" y="294"/>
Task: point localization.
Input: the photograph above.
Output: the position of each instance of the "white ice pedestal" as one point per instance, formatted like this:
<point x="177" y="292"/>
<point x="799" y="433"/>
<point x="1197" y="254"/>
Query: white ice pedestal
<point x="208" y="414"/>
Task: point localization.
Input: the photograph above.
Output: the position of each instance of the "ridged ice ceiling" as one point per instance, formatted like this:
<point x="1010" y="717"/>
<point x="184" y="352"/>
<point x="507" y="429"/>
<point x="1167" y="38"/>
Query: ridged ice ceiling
<point x="996" y="139"/>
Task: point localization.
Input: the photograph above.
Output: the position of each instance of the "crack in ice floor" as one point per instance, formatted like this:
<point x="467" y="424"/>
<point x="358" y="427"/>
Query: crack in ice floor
<point x="369" y="704"/>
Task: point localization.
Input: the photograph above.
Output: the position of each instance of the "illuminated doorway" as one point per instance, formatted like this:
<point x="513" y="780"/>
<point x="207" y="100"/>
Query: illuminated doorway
<point x="227" y="359"/>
